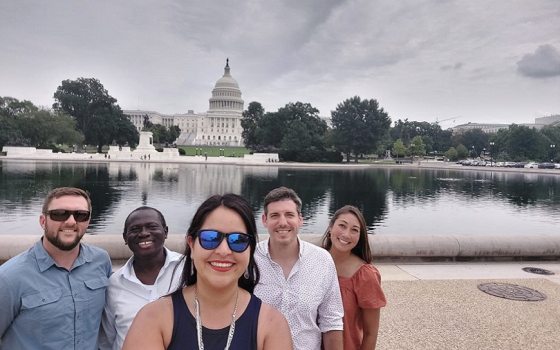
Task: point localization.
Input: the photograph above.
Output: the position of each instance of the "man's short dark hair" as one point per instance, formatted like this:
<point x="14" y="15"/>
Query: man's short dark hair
<point x="279" y="194"/>
<point x="65" y="191"/>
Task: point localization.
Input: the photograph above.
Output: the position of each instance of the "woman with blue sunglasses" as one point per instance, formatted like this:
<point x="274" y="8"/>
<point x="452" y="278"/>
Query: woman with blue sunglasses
<point x="214" y="308"/>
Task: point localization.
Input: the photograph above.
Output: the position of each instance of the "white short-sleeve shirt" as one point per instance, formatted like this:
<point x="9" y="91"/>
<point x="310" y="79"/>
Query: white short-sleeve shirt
<point x="126" y="295"/>
<point x="309" y="298"/>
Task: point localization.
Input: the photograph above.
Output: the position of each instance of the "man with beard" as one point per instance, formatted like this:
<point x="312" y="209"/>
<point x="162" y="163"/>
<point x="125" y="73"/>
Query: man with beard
<point x="53" y="294"/>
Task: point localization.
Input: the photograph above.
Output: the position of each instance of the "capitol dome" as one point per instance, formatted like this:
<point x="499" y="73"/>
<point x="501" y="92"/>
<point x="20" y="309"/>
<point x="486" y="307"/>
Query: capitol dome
<point x="226" y="95"/>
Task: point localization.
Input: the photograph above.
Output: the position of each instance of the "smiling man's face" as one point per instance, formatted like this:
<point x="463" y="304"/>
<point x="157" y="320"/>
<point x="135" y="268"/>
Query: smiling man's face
<point x="145" y="233"/>
<point x="65" y="235"/>
<point x="282" y="220"/>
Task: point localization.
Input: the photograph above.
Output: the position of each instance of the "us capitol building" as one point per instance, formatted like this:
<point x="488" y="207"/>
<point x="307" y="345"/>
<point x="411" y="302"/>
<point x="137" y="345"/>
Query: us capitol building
<point x="220" y="126"/>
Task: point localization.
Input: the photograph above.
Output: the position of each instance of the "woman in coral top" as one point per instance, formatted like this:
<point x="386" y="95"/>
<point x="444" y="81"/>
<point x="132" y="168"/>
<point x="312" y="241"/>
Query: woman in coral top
<point x="360" y="282"/>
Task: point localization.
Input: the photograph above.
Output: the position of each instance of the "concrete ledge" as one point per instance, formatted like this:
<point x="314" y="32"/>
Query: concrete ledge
<point x="383" y="246"/>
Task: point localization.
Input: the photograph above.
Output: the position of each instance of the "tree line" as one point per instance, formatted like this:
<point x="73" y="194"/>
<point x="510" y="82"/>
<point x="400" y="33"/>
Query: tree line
<point x="360" y="127"/>
<point x="297" y="132"/>
<point x="83" y="113"/>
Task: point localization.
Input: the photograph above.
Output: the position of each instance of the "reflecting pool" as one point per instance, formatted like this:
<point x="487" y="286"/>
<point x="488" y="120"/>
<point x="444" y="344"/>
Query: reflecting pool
<point x="394" y="200"/>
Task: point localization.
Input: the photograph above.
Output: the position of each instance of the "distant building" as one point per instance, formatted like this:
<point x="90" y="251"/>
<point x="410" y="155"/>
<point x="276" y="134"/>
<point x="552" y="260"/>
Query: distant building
<point x="493" y="128"/>
<point x="219" y="126"/>
<point x="550" y="120"/>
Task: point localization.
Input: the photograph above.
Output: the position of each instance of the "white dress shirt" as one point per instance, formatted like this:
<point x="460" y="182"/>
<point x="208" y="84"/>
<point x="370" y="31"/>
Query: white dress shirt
<point x="126" y="295"/>
<point x="309" y="298"/>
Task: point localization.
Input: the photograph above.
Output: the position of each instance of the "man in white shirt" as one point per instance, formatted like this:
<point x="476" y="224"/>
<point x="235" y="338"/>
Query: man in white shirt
<point x="151" y="272"/>
<point x="297" y="277"/>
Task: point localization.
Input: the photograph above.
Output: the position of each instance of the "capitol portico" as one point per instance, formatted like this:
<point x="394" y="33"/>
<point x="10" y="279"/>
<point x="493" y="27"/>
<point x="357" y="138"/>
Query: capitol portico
<point x="219" y="126"/>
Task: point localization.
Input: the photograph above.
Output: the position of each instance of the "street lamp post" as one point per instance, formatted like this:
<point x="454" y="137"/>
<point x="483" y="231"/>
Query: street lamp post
<point x="491" y="153"/>
<point x="473" y="151"/>
<point x="552" y="147"/>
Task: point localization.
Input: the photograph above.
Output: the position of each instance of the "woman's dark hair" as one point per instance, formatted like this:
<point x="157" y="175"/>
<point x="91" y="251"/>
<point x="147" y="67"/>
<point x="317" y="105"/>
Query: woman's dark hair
<point x="361" y="249"/>
<point x="247" y="281"/>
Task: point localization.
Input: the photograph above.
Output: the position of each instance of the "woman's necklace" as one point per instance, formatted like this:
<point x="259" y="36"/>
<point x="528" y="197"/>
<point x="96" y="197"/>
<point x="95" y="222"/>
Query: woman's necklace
<point x="199" y="322"/>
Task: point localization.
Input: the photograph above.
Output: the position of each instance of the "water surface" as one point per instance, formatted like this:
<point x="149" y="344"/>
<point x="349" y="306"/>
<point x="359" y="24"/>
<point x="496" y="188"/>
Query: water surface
<point x="394" y="200"/>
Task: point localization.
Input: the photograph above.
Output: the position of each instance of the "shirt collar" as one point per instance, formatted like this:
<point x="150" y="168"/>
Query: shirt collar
<point x="45" y="261"/>
<point x="266" y="251"/>
<point x="128" y="271"/>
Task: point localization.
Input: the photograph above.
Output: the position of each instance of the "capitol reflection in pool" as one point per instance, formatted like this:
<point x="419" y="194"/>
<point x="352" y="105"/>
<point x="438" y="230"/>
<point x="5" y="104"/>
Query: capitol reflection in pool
<point x="394" y="200"/>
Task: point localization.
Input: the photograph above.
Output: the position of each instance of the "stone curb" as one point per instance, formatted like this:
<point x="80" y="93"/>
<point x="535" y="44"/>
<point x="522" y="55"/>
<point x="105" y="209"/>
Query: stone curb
<point x="383" y="246"/>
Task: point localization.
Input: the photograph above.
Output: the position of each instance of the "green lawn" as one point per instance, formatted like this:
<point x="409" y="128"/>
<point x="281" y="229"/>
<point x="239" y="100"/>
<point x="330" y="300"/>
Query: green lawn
<point x="214" y="151"/>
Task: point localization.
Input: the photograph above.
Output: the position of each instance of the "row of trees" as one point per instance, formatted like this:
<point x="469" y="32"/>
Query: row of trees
<point x="24" y="124"/>
<point x="361" y="127"/>
<point x="298" y="133"/>
<point x="516" y="143"/>
<point x="83" y="113"/>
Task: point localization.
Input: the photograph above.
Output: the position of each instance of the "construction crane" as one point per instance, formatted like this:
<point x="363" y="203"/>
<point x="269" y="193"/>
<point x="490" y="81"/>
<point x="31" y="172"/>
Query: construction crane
<point x="446" y="119"/>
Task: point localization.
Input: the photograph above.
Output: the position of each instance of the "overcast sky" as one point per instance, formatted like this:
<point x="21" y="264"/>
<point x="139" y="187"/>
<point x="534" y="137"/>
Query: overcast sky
<point x="426" y="60"/>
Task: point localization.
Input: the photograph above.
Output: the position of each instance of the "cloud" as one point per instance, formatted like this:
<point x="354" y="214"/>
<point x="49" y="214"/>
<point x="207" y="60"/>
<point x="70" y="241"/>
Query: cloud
<point x="455" y="66"/>
<point x="543" y="63"/>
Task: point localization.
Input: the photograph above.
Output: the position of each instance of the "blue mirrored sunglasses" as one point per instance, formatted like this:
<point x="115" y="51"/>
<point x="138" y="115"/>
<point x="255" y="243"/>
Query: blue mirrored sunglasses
<point x="211" y="239"/>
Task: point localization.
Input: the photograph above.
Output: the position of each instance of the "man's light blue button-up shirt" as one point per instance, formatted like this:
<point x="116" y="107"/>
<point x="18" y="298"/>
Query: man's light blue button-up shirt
<point x="43" y="306"/>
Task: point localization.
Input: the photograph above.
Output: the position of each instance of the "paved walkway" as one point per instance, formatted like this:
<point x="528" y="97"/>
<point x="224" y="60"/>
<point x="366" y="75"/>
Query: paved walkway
<point x="438" y="306"/>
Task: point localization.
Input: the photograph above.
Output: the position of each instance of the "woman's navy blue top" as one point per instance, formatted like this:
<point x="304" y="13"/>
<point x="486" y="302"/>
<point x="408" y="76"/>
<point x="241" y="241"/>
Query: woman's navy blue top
<point x="184" y="328"/>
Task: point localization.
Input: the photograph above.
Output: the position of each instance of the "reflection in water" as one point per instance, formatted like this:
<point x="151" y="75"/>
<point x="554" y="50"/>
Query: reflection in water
<point x="393" y="200"/>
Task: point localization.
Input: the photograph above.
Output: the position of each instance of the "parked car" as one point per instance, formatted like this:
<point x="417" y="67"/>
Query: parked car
<point x="532" y="165"/>
<point x="546" y="165"/>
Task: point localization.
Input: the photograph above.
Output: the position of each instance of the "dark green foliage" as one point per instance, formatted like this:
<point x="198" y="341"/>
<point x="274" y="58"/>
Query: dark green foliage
<point x="96" y="113"/>
<point x="23" y="124"/>
<point x="358" y="126"/>
<point x="295" y="131"/>
<point x="250" y="122"/>
<point x="310" y="156"/>
<point x="475" y="140"/>
<point x="435" y="139"/>
<point x="162" y="134"/>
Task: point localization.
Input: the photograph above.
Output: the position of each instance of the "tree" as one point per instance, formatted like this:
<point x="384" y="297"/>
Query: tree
<point x="97" y="115"/>
<point x="399" y="148"/>
<point x="127" y="133"/>
<point x="417" y="147"/>
<point x="358" y="126"/>
<point x="12" y="107"/>
<point x="249" y="122"/>
<point x="45" y="129"/>
<point x="462" y="151"/>
<point x="524" y="143"/>
<point x="475" y="140"/>
<point x="162" y="134"/>
<point x="173" y="133"/>
<point x="294" y="128"/>
<point x="435" y="139"/>
<point x="451" y="154"/>
<point x="24" y="124"/>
